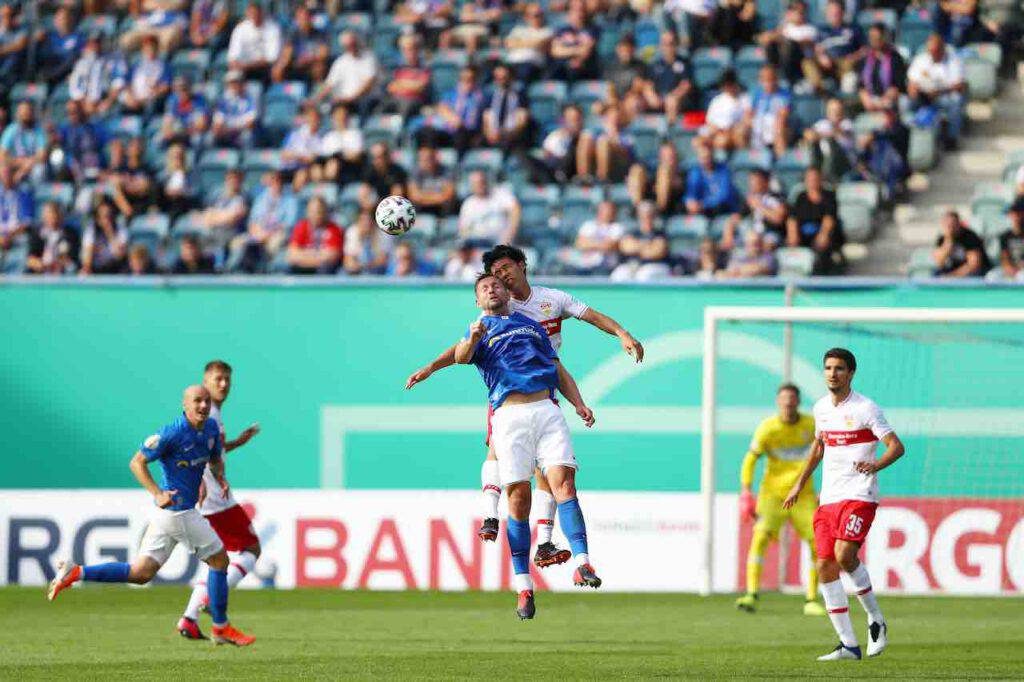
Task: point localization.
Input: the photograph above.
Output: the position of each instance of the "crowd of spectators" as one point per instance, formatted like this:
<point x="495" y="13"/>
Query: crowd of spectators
<point x="633" y="140"/>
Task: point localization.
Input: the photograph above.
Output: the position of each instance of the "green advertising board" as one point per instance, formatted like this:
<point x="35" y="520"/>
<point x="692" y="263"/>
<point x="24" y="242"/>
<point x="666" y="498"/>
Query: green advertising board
<point x="89" y="371"/>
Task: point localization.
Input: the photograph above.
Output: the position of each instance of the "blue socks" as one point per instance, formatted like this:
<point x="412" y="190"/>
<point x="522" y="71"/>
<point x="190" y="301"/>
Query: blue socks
<point x="217" y="589"/>
<point x="519" y="537"/>
<point x="570" y="516"/>
<point x="112" y="572"/>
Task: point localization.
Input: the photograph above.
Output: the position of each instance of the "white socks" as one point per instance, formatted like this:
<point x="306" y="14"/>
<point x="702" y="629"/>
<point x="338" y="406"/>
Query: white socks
<point x="241" y="565"/>
<point x="581" y="558"/>
<point x="522" y="581"/>
<point x="862" y="583"/>
<point x="491" y="485"/>
<point x="195" y="602"/>
<point x="544" y="504"/>
<point x="838" y="607"/>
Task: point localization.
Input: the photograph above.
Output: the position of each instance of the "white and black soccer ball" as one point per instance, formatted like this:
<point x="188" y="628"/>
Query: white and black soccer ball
<point x="396" y="215"/>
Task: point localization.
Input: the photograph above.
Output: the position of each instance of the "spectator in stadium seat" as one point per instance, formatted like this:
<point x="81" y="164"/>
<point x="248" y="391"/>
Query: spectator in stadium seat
<point x="528" y="44"/>
<point x="303" y="148"/>
<point x="669" y="88"/>
<point x="724" y="126"/>
<point x="959" y="251"/>
<point x="882" y="155"/>
<point x="753" y="260"/>
<point x="23" y="144"/>
<point x="464" y="264"/>
<point x="140" y="261"/>
<point x="104" y="241"/>
<point x="58" y="48"/>
<point x="840" y="48"/>
<point x="668" y="186"/>
<point x="304" y="52"/>
<point x="607" y="153"/>
<point x="88" y="81"/>
<point x="381" y="176"/>
<point x="1011" y="245"/>
<point x="574" y="46"/>
<point x="883" y="73"/>
<point x="317" y="243"/>
<point x="178" y="186"/>
<point x="13" y="46"/>
<point x="429" y="18"/>
<point x="255" y="44"/>
<point x="410" y="85"/>
<point x="790" y="46"/>
<point x="191" y="260"/>
<point x="405" y="263"/>
<point x="166" y="20"/>
<point x="709" y="187"/>
<point x="558" y="159"/>
<point x="506" y="116"/>
<point x="596" y="249"/>
<point x="644" y="251"/>
<point x="273" y="213"/>
<point x="478" y="20"/>
<point x="342" y="148"/>
<point x="235" y="115"/>
<point x="131" y="181"/>
<point x="935" y="82"/>
<point x="53" y="246"/>
<point x="431" y="188"/>
<point x="367" y="249"/>
<point x="764" y="209"/>
<point x="186" y="115"/>
<point x="691" y="18"/>
<point x="81" y="144"/>
<point x="18" y="208"/>
<point x="225" y="216"/>
<point x="489" y="215"/>
<point x="710" y="260"/>
<point x="461" y="113"/>
<point x="352" y="76"/>
<point x="814" y="223"/>
<point x="627" y="78"/>
<point x="959" y="22"/>
<point x="832" y="142"/>
<point x="148" y="82"/>
<point x="208" y="23"/>
<point x="734" y="24"/>
<point x="766" y="113"/>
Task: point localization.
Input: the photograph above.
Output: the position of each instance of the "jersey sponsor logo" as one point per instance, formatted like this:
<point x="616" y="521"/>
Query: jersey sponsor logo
<point x="152" y="441"/>
<point x="552" y="326"/>
<point x="512" y="332"/>
<point x="844" y="438"/>
<point x="186" y="463"/>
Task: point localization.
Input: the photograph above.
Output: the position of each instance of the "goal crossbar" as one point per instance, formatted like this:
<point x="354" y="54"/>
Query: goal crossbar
<point x="715" y="314"/>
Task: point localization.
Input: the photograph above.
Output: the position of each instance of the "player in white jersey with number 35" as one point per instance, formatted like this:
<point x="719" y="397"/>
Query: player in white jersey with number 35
<point x="847" y="429"/>
<point x="218" y="506"/>
<point x="548" y="307"/>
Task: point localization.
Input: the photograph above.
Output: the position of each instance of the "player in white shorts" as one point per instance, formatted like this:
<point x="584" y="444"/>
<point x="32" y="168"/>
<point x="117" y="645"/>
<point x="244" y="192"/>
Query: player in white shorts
<point x="547" y="307"/>
<point x="847" y="428"/>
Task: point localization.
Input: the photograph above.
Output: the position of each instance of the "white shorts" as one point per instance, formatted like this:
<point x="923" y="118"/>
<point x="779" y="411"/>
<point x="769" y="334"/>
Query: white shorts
<point x="168" y="528"/>
<point x="529" y="436"/>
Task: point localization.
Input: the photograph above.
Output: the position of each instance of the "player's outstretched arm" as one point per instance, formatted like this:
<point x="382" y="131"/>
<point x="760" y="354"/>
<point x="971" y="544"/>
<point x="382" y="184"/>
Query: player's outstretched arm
<point x="568" y="388"/>
<point x="445" y="359"/>
<point x="893" y="451"/>
<point x="610" y="326"/>
<point x="243" y="438"/>
<point x="748" y="505"/>
<point x="813" y="460"/>
<point x="465" y="348"/>
<point x="140" y="468"/>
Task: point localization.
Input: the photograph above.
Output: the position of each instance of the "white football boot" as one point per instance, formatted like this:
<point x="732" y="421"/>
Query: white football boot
<point x="842" y="653"/>
<point x="877" y="638"/>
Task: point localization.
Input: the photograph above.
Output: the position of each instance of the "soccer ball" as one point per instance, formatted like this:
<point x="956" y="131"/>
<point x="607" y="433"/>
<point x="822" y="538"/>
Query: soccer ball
<point x="396" y="215"/>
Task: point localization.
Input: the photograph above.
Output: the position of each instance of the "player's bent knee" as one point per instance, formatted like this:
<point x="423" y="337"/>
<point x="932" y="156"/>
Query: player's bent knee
<point x="143" y="570"/>
<point x="218" y="561"/>
<point x="254" y="550"/>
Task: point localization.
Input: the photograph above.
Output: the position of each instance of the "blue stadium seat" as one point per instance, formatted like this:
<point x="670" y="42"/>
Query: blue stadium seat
<point x="255" y="163"/>
<point x="487" y="160"/>
<point x="858" y="202"/>
<point x="278" y="118"/>
<point x="980" y="74"/>
<point x="192" y="63"/>
<point x="327" y="191"/>
<point x="647" y="136"/>
<point x="692" y="228"/>
<point x="790" y="167"/>
<point x="1014" y="160"/>
<point x="15" y="259"/>
<point x="991" y="198"/>
<point x="546" y="100"/>
<point x="56" y="105"/>
<point x="770" y="11"/>
<point x="882" y="15"/>
<point x="361" y="22"/>
<point x="607" y="41"/>
<point x="707" y="65"/>
<point x="744" y="161"/>
<point x="537" y="203"/>
<point x="682" y="139"/>
<point x="444" y="70"/>
<point x="125" y="126"/>
<point x="150" y="227"/>
<point x="383" y="128"/>
<point x="384" y="42"/>
<point x="585" y="93"/>
<point x="61" y="192"/>
<point x="291" y="90"/>
<point x="914" y="29"/>
<point x="105" y="24"/>
<point x="446" y="232"/>
<point x="618" y="194"/>
<point x="185" y="224"/>
<point x="33" y="92"/>
<point x="795" y="262"/>
<point x="808" y="108"/>
<point x="748" y="65"/>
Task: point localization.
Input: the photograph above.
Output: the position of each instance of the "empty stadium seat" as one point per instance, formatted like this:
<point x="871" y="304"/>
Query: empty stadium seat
<point x="585" y="93"/>
<point x="444" y="71"/>
<point x="808" y="108"/>
<point x="790" y="167"/>
<point x="32" y="92"/>
<point x="61" y="192"/>
<point x="383" y="128"/>
<point x="748" y="65"/>
<point x="921" y="265"/>
<point x="866" y="18"/>
<point x="647" y="136"/>
<point x="691" y="228"/>
<point x="914" y="28"/>
<point x="537" y="204"/>
<point x="858" y="202"/>
<point x="682" y="139"/>
<point x="795" y="262"/>
<point x="707" y="65"/>
<point x="923" y="152"/>
<point x="980" y="74"/>
<point x="193" y="63"/>
<point x="487" y="160"/>
<point x="546" y="100"/>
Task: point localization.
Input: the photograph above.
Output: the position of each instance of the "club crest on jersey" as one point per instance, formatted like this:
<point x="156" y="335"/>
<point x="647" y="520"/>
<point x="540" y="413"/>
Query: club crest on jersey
<point x="546" y="308"/>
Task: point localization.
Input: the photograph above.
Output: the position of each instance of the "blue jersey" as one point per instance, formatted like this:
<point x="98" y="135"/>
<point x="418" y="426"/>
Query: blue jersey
<point x="183" y="453"/>
<point x="515" y="356"/>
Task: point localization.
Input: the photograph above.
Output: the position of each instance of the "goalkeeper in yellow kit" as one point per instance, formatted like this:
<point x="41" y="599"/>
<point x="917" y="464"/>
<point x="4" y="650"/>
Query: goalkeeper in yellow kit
<point x="784" y="439"/>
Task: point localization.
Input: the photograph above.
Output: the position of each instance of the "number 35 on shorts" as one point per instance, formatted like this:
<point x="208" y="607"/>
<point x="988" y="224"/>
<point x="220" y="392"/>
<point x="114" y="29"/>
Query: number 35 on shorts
<point x="853" y="524"/>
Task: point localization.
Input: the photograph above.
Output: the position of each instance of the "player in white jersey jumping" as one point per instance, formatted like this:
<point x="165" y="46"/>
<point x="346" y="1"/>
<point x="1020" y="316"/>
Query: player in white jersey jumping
<point x="548" y="307"/>
<point x="218" y="506"/>
<point x="847" y="428"/>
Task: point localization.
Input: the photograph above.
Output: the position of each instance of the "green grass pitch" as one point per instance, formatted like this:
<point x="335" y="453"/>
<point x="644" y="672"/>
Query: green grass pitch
<point x="111" y="632"/>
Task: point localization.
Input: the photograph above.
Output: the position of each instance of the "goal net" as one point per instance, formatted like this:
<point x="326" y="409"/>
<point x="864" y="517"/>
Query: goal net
<point x="951" y="383"/>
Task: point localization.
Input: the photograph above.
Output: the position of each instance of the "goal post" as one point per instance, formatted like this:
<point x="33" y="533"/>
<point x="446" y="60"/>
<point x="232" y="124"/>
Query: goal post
<point x="841" y="318"/>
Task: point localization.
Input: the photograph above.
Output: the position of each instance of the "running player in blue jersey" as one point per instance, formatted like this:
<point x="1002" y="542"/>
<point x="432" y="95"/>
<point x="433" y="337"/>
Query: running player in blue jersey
<point x="183" y="448"/>
<point x="522" y="371"/>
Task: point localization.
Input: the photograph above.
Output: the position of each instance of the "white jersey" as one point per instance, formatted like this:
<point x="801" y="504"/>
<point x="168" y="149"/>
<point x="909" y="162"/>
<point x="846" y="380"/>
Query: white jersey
<point x="549" y="307"/>
<point x="216" y="501"/>
<point x="850" y="432"/>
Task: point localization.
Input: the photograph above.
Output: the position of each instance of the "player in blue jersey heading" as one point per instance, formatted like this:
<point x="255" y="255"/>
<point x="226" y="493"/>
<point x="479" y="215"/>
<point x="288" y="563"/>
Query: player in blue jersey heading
<point x="183" y="448"/>
<point x="522" y="371"/>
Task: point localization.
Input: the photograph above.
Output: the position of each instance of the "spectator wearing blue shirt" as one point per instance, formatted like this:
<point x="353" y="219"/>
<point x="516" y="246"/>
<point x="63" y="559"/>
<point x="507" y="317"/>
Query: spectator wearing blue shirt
<point x="23" y="144"/>
<point x="16" y="210"/>
<point x="461" y="112"/>
<point x="273" y="213"/>
<point x="13" y="43"/>
<point x="82" y="143"/>
<point x="574" y="47"/>
<point x="235" y="115"/>
<point x="149" y="80"/>
<point x="766" y="113"/>
<point x="58" y="47"/>
<point x="405" y="263"/>
<point x="208" y="23"/>
<point x="840" y="46"/>
<point x="186" y="115"/>
<point x="304" y="51"/>
<point x="670" y="79"/>
<point x="709" y="187"/>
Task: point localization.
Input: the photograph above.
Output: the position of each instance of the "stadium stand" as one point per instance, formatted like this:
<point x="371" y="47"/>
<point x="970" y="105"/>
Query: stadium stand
<point x="147" y="107"/>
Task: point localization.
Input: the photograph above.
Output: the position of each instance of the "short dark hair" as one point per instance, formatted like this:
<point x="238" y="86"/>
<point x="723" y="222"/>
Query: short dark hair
<point x="481" y="277"/>
<point x="841" y="354"/>
<point x="217" y="365"/>
<point x="789" y="387"/>
<point x="503" y="251"/>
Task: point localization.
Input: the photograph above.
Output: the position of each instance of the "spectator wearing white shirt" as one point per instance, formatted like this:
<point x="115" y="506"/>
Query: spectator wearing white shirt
<point x="723" y="124"/>
<point x="528" y="44"/>
<point x="165" y="20"/>
<point x="342" y="148"/>
<point x="235" y="115"/>
<point x="560" y="147"/>
<point x="596" y="250"/>
<point x="255" y="43"/>
<point x="936" y="79"/>
<point x="352" y="76"/>
<point x="464" y="264"/>
<point x="149" y="82"/>
<point x="692" y="17"/>
<point x="791" y="45"/>
<point x="303" y="148"/>
<point x="489" y="215"/>
<point x="367" y="249"/>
